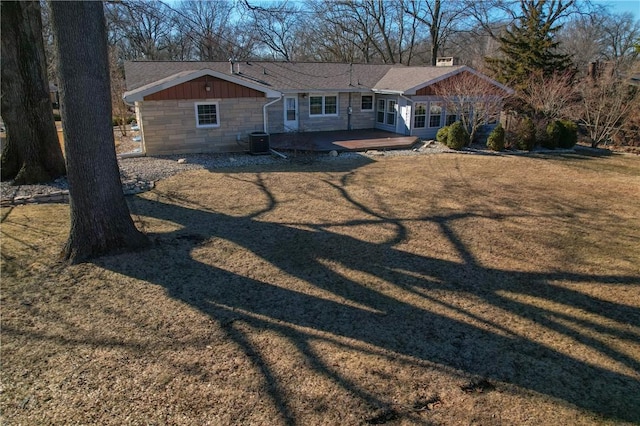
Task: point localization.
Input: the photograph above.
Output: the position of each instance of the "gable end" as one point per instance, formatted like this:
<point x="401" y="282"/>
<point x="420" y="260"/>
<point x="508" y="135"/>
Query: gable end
<point x="196" y="89"/>
<point x="432" y="89"/>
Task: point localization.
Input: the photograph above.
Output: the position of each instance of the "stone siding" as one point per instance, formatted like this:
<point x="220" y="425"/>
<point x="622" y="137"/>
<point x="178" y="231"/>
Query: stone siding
<point x="362" y="119"/>
<point x="275" y="117"/>
<point x="359" y="119"/>
<point x="169" y="127"/>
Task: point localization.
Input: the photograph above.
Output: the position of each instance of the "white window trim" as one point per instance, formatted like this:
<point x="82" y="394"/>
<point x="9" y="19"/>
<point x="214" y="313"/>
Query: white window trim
<point x="373" y="104"/>
<point x="323" y="96"/>
<point x="391" y="112"/>
<point x="429" y="115"/>
<point x="207" y="126"/>
<point x="383" y="110"/>
<point x="425" y="115"/>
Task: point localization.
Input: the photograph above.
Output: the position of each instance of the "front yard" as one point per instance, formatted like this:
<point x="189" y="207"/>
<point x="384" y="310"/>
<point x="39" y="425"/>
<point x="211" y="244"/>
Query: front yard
<point x="438" y="289"/>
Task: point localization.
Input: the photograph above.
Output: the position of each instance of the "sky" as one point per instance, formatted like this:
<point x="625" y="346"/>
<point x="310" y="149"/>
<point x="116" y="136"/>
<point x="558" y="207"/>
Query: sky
<point x="622" y="6"/>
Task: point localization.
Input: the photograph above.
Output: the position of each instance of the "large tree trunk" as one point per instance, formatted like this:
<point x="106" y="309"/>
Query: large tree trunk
<point x="100" y="219"/>
<point x="434" y="31"/>
<point x="32" y="152"/>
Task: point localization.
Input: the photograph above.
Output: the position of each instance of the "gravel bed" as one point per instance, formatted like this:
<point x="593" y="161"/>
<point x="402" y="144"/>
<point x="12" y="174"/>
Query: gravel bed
<point x="143" y="172"/>
<point x="138" y="171"/>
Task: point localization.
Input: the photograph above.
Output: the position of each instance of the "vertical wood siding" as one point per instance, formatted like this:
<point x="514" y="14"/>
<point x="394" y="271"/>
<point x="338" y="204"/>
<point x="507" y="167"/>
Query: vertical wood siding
<point x="195" y="89"/>
<point x="433" y="89"/>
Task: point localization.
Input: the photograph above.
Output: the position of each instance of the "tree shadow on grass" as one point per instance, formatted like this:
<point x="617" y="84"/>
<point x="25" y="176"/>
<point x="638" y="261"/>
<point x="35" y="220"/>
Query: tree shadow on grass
<point x="492" y="351"/>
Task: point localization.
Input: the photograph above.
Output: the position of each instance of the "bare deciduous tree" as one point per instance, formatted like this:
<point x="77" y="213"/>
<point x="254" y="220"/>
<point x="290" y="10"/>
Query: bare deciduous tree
<point x="490" y="17"/>
<point x="620" y="33"/>
<point x="142" y="29"/>
<point x="601" y="36"/>
<point x="346" y="35"/>
<point x="549" y="97"/>
<point x="475" y="100"/>
<point x="440" y="19"/>
<point x="369" y="31"/>
<point x="277" y="27"/>
<point x="212" y="30"/>
<point x="604" y="103"/>
<point x="119" y="108"/>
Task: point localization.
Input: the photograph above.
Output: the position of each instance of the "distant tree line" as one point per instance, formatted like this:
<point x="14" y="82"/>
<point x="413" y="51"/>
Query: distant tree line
<point x="410" y="32"/>
<point x="526" y="44"/>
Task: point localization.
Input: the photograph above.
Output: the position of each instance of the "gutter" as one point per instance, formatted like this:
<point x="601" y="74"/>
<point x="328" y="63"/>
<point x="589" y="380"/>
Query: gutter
<point x="126" y="102"/>
<point x="405" y="98"/>
<point x="387" y="92"/>
<point x="264" y="112"/>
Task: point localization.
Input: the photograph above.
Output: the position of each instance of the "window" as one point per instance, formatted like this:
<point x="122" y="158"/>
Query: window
<point x="367" y="103"/>
<point x="452" y="117"/>
<point x="381" y="104"/>
<point x="330" y="105"/>
<point x="391" y="112"/>
<point x="315" y="105"/>
<point x="435" y="114"/>
<point x="290" y="108"/>
<point x="207" y="115"/>
<point x="420" y="116"/>
<point x="323" y="105"/>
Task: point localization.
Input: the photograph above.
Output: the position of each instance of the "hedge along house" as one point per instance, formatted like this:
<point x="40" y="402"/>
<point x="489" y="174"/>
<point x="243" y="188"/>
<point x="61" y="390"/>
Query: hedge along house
<point x="188" y="107"/>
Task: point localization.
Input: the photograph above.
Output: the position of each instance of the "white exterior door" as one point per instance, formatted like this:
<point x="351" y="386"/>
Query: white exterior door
<point x="290" y="113"/>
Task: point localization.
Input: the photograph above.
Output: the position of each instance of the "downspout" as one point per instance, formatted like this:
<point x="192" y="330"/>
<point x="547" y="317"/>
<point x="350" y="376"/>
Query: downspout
<point x="349" y="112"/>
<point x="143" y="149"/>
<point x="264" y="112"/>
<point x="408" y="100"/>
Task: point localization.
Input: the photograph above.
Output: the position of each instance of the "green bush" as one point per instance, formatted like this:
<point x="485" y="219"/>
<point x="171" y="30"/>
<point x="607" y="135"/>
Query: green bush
<point x="443" y="135"/>
<point x="495" y="141"/>
<point x="554" y="132"/>
<point x="526" y="134"/>
<point x="569" y="134"/>
<point x="458" y="136"/>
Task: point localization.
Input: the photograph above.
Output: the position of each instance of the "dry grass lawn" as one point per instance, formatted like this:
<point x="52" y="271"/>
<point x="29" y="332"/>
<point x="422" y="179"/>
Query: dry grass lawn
<point x="431" y="290"/>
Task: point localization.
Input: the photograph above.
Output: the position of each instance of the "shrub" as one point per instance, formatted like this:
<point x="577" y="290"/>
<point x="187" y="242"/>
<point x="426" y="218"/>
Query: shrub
<point x="458" y="136"/>
<point x="443" y="135"/>
<point x="495" y="141"/>
<point x="554" y="133"/>
<point x="569" y="134"/>
<point x="510" y="139"/>
<point x="115" y="121"/>
<point x="526" y="134"/>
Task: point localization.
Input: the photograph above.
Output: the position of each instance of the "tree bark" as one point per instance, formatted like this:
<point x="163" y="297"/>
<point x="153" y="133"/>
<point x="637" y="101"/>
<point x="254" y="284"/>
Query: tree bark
<point x="32" y="153"/>
<point x="100" y="218"/>
<point x="434" y="31"/>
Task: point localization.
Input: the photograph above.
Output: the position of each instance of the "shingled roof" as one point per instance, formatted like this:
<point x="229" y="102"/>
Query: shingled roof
<point x="295" y="77"/>
<point x="281" y="76"/>
<point x="403" y="80"/>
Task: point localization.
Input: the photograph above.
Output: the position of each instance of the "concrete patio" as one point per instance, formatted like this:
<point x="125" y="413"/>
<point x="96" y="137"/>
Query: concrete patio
<point x="342" y="140"/>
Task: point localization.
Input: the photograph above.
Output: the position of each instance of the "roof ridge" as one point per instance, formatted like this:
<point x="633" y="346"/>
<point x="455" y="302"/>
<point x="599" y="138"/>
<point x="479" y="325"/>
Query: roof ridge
<point x="263" y="62"/>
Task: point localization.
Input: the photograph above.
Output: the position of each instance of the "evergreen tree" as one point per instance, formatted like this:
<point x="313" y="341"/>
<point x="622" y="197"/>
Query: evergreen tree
<point x="529" y="45"/>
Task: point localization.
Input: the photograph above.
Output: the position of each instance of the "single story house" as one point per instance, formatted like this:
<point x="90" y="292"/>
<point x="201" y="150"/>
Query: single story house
<point x="188" y="107"/>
